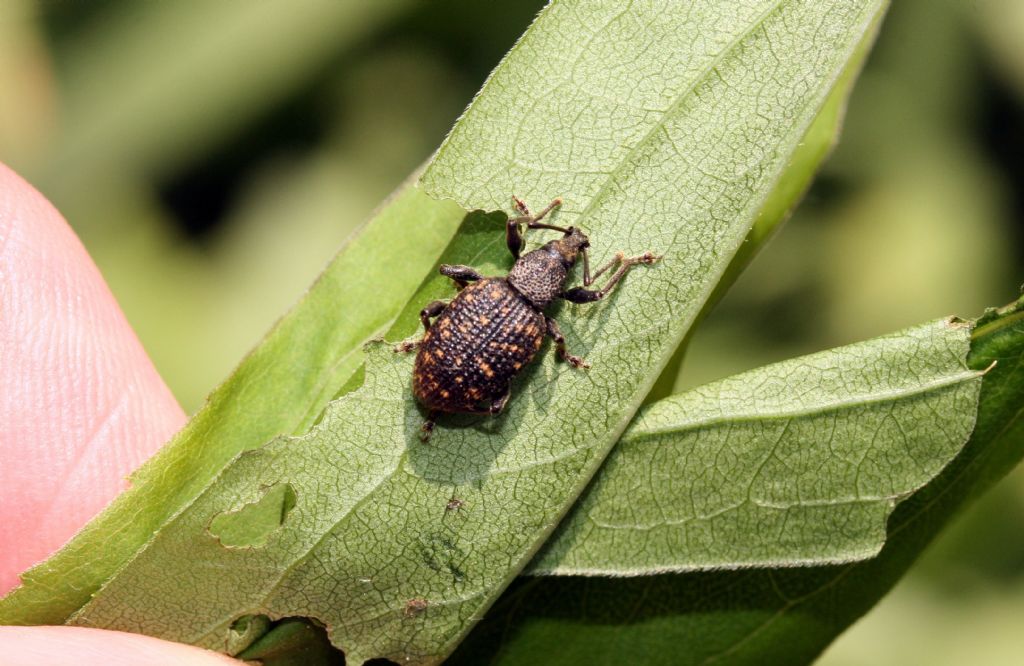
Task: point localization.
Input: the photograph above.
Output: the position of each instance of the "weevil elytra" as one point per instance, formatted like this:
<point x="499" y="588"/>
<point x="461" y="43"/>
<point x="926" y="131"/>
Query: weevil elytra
<point x="481" y="340"/>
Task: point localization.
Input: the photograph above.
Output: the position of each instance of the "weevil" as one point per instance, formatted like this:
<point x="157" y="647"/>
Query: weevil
<point x="478" y="342"/>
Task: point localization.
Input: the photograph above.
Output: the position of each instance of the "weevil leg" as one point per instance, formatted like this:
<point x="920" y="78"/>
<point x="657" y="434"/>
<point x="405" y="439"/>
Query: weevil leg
<point x="515" y="236"/>
<point x="563" y="354"/>
<point x="521" y="206"/>
<point x="499" y="403"/>
<point x="432" y="310"/>
<point x="589" y="279"/>
<point x="555" y="203"/>
<point x="426" y="314"/>
<point x="427" y="429"/>
<point x="582" y="295"/>
<point x="534" y="221"/>
<point x="461" y="275"/>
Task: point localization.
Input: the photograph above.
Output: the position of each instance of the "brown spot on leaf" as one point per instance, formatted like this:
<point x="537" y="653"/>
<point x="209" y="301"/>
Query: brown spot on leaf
<point x="414" y="607"/>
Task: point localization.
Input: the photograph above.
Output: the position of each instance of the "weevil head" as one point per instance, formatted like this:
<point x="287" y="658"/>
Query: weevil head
<point x="570" y="245"/>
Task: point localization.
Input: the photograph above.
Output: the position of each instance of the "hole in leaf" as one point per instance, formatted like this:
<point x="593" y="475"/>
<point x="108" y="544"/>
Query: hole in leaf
<point x="245" y="631"/>
<point x="253" y="524"/>
<point x="292" y="641"/>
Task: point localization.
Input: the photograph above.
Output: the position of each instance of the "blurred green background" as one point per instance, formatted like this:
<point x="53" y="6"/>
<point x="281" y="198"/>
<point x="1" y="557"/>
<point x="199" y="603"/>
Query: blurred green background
<point x="212" y="156"/>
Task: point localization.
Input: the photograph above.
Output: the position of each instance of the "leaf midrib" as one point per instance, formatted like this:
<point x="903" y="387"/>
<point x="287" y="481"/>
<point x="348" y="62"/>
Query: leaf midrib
<point x="817" y="409"/>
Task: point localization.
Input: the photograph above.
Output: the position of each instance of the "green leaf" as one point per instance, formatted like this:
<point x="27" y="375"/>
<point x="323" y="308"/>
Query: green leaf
<point x="280" y="387"/>
<point x="810" y="153"/>
<point x="761" y="615"/>
<point x="294" y="642"/>
<point x="795" y="463"/>
<point x="253" y="524"/>
<point x="664" y="129"/>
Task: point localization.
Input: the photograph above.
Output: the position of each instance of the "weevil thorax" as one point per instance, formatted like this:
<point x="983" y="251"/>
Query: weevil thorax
<point x="540" y="275"/>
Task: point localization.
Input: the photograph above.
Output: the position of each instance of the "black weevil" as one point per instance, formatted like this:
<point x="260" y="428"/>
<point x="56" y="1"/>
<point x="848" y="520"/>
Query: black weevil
<point x="481" y="340"/>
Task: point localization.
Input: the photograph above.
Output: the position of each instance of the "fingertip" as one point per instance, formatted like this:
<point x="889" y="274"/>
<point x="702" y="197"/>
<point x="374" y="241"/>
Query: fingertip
<point x="81" y="405"/>
<point x="80" y="646"/>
